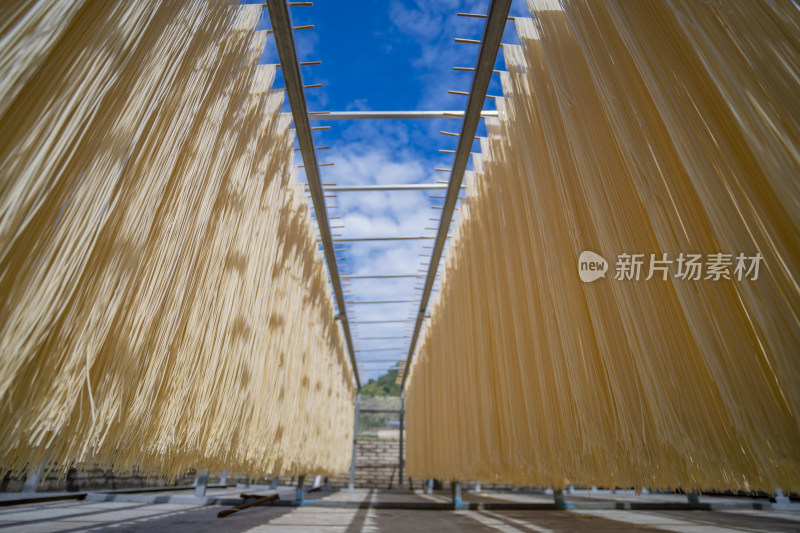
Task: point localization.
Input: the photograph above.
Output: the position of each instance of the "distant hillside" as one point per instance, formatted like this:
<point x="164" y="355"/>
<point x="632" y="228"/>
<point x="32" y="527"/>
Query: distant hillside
<point x="383" y="386"/>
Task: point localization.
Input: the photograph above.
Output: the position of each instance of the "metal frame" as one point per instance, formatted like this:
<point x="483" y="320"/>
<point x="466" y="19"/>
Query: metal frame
<point x="381" y="301"/>
<point x="401" y="458"/>
<point x="405" y="320"/>
<point x="361" y="239"/>
<point x="351" y="484"/>
<point x="282" y="30"/>
<point x="360" y="115"/>
<point x="284" y="41"/>
<point x="490" y="45"/>
<point x="383" y="276"/>
<point x="395" y="187"/>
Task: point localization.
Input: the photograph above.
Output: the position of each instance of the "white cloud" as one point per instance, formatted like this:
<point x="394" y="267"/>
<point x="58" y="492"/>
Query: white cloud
<point x="435" y="25"/>
<point x="357" y="160"/>
<point x="355" y="164"/>
<point x="359" y="104"/>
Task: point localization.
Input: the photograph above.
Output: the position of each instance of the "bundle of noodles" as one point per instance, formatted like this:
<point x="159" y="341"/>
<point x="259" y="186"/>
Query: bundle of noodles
<point x="164" y="302"/>
<point x="664" y="128"/>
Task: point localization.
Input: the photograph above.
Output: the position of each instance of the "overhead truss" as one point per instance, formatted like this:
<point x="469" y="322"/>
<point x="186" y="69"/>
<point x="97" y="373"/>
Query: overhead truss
<point x="490" y="44"/>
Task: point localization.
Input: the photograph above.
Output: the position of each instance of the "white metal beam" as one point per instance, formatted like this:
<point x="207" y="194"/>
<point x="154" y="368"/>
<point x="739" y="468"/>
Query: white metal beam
<point x="361" y="115"/>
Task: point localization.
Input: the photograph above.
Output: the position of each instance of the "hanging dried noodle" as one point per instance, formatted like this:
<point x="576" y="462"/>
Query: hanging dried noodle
<point x="627" y="127"/>
<point x="164" y="303"/>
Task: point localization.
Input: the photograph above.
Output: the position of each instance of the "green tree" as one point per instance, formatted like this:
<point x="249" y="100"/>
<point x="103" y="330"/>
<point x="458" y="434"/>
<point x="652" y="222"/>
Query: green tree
<point x="383" y="386"/>
<point x="381" y="393"/>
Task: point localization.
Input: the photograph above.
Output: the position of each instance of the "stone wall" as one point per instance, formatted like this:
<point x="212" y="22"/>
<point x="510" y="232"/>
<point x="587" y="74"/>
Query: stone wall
<point x="377" y="468"/>
<point x="376" y="465"/>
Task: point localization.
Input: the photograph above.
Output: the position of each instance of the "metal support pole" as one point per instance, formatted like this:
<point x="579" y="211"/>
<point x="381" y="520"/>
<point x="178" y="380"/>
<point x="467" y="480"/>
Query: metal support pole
<point x="35" y="477"/>
<point x="558" y="499"/>
<point x="429" y="486"/>
<point x="402" y="238"/>
<point x="402" y="420"/>
<point x="298" y="493"/>
<point x="477" y="486"/>
<point x="200" y="483"/>
<point x="274" y="484"/>
<point x="361" y="115"/>
<point x="455" y="489"/>
<point x="223" y="479"/>
<point x="406" y="301"/>
<point x="382" y="276"/>
<point x="780" y="498"/>
<point x="351" y="485"/>
<point x="397" y="187"/>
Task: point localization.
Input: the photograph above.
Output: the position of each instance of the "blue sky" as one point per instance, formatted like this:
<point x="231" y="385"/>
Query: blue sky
<point x="386" y="55"/>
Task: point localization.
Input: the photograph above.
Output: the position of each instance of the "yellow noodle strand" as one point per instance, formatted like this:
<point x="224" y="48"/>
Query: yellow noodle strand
<point x="164" y="302"/>
<point x="666" y="127"/>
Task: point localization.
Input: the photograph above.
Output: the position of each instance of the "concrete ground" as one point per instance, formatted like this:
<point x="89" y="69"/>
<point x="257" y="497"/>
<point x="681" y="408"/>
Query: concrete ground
<point x="134" y="516"/>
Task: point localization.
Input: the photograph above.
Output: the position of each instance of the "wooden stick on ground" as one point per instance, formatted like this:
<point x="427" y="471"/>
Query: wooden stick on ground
<point x="256" y="500"/>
